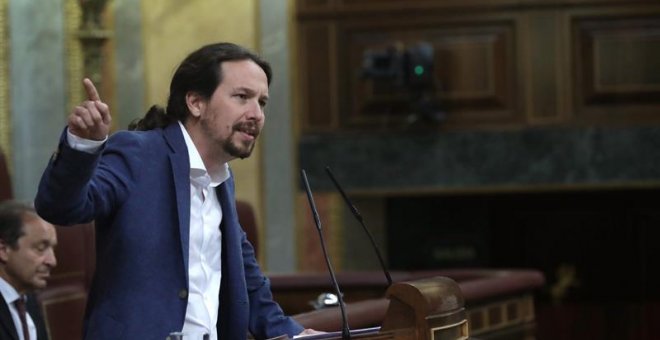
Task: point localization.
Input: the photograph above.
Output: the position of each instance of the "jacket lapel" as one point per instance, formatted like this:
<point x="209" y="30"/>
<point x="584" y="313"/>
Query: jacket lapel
<point x="234" y="305"/>
<point x="233" y="295"/>
<point x="34" y="309"/>
<point x="181" y="177"/>
<point x="7" y="327"/>
<point x="227" y="205"/>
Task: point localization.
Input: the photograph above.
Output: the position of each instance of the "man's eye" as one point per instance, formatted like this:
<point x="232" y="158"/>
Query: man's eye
<point x="42" y="247"/>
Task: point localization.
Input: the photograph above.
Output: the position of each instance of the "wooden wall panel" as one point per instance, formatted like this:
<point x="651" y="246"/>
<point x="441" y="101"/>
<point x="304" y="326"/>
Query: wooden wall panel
<point x="502" y="64"/>
<point x="542" y="66"/>
<point x="329" y="8"/>
<point x="618" y="73"/>
<point x="317" y="84"/>
<point x="474" y="68"/>
<point x="303" y="6"/>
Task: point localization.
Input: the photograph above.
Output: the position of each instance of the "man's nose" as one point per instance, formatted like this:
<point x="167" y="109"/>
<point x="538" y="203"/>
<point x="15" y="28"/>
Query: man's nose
<point x="50" y="259"/>
<point x="256" y="111"/>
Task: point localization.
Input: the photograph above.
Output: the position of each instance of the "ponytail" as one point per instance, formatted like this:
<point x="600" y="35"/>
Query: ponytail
<point x="155" y="118"/>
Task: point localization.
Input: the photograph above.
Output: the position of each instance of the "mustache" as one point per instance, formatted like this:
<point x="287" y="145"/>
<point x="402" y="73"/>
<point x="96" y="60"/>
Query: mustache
<point x="45" y="269"/>
<point x="248" y="127"/>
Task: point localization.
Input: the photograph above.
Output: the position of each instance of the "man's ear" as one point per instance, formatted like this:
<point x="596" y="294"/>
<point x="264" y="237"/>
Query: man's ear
<point x="196" y="104"/>
<point x="4" y="251"/>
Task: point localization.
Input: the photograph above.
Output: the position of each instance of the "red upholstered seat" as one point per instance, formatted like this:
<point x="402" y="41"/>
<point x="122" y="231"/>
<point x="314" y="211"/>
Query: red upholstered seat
<point x="249" y="223"/>
<point x="63" y="301"/>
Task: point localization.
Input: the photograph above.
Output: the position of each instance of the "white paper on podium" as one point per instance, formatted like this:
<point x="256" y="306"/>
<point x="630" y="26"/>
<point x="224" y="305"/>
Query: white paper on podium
<point x="329" y="335"/>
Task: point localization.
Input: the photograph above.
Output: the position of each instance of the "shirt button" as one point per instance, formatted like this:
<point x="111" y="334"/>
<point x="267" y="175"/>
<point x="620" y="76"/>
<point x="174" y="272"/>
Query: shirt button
<point x="183" y="293"/>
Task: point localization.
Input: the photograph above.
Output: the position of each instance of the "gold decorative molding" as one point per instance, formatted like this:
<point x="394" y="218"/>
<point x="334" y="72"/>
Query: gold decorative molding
<point x="515" y="311"/>
<point x="85" y="42"/>
<point x="75" y="63"/>
<point x="5" y="119"/>
<point x="92" y="11"/>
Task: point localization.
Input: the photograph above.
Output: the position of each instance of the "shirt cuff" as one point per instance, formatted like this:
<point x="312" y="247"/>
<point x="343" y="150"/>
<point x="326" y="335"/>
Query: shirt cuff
<point x="84" y="145"/>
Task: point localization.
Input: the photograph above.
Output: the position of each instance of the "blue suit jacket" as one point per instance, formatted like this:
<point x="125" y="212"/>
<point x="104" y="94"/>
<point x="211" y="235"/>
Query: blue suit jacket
<point x="137" y="190"/>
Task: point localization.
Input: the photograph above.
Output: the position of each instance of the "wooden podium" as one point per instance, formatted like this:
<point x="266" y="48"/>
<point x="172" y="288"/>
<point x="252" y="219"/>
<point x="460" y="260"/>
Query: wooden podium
<point x="426" y="309"/>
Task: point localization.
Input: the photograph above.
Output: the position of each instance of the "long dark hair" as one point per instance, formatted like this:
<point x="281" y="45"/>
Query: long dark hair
<point x="200" y="72"/>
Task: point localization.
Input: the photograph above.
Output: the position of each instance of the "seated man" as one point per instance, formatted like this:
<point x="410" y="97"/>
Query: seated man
<point x="26" y="258"/>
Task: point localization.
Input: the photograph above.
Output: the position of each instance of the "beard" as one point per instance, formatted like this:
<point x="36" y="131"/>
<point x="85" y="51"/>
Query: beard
<point x="241" y="150"/>
<point x="230" y="145"/>
<point x="238" y="150"/>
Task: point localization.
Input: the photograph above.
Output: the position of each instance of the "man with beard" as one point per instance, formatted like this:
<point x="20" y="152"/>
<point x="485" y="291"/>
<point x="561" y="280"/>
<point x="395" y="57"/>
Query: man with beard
<point x="26" y="258"/>
<point x="171" y="255"/>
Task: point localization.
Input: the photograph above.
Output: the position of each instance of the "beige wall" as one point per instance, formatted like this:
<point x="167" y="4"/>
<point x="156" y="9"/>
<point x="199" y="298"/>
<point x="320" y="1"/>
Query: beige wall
<point x="172" y="29"/>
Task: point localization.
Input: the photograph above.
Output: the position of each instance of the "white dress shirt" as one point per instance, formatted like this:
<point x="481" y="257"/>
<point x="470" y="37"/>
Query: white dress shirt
<point x="204" y="254"/>
<point x="11" y="295"/>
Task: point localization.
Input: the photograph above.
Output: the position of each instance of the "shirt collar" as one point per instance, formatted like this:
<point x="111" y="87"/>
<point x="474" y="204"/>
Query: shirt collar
<point x="9" y="293"/>
<point x="198" y="173"/>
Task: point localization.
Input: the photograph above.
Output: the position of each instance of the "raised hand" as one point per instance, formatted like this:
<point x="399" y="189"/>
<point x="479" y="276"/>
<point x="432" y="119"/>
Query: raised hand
<point x="91" y="119"/>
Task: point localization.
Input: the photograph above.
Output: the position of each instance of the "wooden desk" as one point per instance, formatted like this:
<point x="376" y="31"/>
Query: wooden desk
<point x="425" y="309"/>
<point x="499" y="303"/>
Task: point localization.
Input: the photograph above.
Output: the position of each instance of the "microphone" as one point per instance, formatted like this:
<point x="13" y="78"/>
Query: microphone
<point x="345" y="332"/>
<point x="357" y="215"/>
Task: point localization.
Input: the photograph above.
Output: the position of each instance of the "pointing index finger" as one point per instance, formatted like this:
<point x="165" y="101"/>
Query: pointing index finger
<point x="92" y="93"/>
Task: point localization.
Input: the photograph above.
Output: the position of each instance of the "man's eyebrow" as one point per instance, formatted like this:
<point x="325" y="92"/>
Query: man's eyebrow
<point x="251" y="92"/>
<point x="40" y="243"/>
<point x="246" y="89"/>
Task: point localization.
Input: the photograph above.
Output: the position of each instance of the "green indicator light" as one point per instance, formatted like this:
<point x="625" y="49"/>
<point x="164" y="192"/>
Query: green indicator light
<point x="419" y="70"/>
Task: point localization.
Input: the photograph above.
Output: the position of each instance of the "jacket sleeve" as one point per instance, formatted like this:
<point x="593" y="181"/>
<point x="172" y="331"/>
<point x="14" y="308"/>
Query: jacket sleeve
<point x="267" y="320"/>
<point x="78" y="187"/>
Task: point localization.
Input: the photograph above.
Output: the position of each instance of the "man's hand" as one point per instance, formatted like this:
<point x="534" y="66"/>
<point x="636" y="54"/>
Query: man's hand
<point x="307" y="331"/>
<point x="91" y="119"/>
